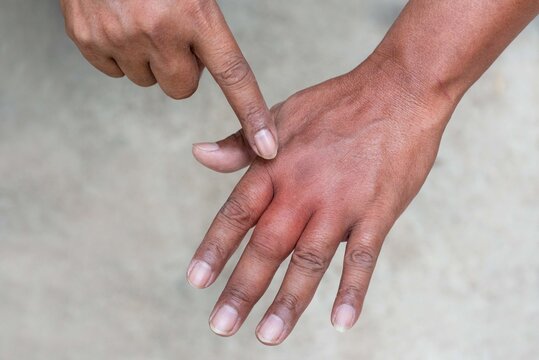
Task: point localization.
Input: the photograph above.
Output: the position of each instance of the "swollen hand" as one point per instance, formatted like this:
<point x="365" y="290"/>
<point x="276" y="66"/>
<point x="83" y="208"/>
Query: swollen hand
<point x="355" y="150"/>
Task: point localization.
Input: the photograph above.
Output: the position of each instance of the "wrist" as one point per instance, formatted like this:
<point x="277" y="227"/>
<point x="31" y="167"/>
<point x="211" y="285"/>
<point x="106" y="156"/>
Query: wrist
<point x="425" y="97"/>
<point x="442" y="48"/>
<point x="424" y="73"/>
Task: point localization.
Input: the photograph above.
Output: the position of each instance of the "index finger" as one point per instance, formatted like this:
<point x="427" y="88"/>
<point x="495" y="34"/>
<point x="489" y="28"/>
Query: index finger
<point x="219" y="51"/>
<point x="239" y="214"/>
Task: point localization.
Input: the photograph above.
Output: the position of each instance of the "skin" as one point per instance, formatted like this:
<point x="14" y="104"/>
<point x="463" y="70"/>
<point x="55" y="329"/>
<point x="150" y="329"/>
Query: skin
<point x="170" y="42"/>
<point x="355" y="150"/>
<point x="353" y="155"/>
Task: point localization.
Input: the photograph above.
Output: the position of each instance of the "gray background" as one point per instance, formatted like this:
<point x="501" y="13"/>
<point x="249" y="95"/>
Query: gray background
<point x="102" y="206"/>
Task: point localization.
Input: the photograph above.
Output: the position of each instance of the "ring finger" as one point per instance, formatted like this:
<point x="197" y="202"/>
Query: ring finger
<point x="308" y="264"/>
<point x="178" y="77"/>
<point x="103" y="63"/>
<point x="137" y="69"/>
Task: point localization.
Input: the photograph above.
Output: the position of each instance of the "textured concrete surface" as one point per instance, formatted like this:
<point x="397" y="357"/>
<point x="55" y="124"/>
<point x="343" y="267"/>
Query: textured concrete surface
<point x="101" y="205"/>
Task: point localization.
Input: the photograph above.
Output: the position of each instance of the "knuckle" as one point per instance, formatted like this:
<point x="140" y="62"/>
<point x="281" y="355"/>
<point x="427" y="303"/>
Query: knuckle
<point x="115" y="35"/>
<point x="264" y="246"/>
<point x="146" y="82"/>
<point x="239" y="295"/>
<point x="115" y="73"/>
<point x="363" y="257"/>
<point x="214" y="250"/>
<point x="255" y="116"/>
<point x="185" y="91"/>
<point x="202" y="13"/>
<point x="83" y="38"/>
<point x="148" y="25"/>
<point x="111" y="72"/>
<point x="198" y="7"/>
<point x="181" y="94"/>
<point x="236" y="213"/>
<point x="235" y="72"/>
<point x="309" y="260"/>
<point x="288" y="301"/>
<point x="352" y="293"/>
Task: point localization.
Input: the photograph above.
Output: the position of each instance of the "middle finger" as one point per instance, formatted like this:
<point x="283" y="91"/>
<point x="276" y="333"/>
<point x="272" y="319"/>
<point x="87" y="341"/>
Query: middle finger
<point x="273" y="239"/>
<point x="310" y="259"/>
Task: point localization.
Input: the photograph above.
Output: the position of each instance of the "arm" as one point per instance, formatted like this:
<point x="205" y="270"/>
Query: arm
<point x="170" y="42"/>
<point x="448" y="45"/>
<point x="355" y="151"/>
<point x="433" y="47"/>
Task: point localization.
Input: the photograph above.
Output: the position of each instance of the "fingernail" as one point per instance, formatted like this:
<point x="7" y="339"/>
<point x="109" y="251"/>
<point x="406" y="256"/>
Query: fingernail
<point x="224" y="320"/>
<point x="271" y="329"/>
<point x="265" y="143"/>
<point x="199" y="274"/>
<point x="207" y="146"/>
<point x="344" y="317"/>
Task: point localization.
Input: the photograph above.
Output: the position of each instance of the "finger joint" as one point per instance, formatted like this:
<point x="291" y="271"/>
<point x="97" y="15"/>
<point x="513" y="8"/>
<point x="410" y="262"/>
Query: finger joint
<point x="309" y="261"/>
<point x="255" y="117"/>
<point x="236" y="213"/>
<point x="235" y="72"/>
<point x="352" y="293"/>
<point x="362" y="257"/>
<point x="214" y="250"/>
<point x="264" y="246"/>
<point x="288" y="301"/>
<point x="239" y="295"/>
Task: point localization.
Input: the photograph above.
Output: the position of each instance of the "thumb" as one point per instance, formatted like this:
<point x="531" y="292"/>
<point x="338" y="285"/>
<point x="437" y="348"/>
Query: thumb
<point x="225" y="156"/>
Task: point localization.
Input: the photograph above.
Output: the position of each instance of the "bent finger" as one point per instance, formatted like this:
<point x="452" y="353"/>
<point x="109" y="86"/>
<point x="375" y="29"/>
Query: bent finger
<point x="137" y="70"/>
<point x="101" y="62"/>
<point x="177" y="77"/>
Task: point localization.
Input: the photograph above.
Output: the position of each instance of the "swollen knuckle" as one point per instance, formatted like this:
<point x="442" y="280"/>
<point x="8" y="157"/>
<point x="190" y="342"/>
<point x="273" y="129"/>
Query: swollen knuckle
<point x="235" y="72"/>
<point x="309" y="260"/>
<point x="264" y="247"/>
<point x="236" y="213"/>
<point x="288" y="301"/>
<point x="362" y="257"/>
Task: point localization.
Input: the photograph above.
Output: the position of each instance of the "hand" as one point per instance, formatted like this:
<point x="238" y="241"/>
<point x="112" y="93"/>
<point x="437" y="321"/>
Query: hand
<point x="354" y="152"/>
<point x="170" y="42"/>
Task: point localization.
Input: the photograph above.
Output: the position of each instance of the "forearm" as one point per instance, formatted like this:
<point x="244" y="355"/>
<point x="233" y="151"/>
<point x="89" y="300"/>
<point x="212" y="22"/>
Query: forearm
<point x="445" y="46"/>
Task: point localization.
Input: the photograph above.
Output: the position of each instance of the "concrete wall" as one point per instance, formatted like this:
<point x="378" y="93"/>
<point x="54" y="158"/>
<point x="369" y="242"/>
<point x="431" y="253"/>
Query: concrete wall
<point x="102" y="206"/>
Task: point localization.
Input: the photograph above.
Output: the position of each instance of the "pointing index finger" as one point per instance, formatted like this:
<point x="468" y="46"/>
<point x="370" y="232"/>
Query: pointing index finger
<point x="219" y="51"/>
